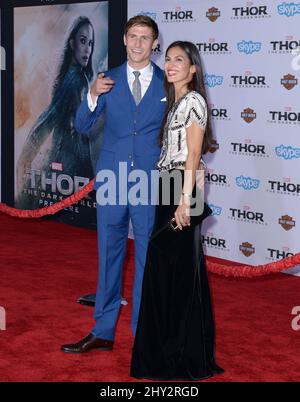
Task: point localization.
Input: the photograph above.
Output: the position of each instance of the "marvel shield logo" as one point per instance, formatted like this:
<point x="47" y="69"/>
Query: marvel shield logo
<point x="289" y="81"/>
<point x="247" y="249"/>
<point x="213" y="14"/>
<point x="248" y="115"/>
<point x="287" y="222"/>
<point x="214" y="146"/>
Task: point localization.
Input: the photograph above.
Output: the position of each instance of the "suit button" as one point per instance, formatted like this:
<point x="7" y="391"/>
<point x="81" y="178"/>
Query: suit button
<point x="135" y="133"/>
<point x="129" y="156"/>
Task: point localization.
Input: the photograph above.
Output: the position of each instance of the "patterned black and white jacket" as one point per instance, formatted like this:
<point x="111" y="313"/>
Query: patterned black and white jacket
<point x="188" y="109"/>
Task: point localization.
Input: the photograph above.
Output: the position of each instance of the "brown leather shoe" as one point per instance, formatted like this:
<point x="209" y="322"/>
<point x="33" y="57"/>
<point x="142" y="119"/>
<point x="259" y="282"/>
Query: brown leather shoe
<point x="88" y="343"/>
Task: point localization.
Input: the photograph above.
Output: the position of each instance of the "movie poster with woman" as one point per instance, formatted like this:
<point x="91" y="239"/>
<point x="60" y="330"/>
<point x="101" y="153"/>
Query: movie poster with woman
<point x="58" y="50"/>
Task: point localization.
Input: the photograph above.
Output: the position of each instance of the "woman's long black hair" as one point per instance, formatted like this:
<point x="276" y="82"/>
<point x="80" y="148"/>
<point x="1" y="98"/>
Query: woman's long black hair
<point x="196" y="84"/>
<point x="67" y="57"/>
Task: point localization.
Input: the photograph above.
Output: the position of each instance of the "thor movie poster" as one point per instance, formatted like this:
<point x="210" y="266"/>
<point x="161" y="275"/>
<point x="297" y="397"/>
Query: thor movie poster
<point x="58" y="50"/>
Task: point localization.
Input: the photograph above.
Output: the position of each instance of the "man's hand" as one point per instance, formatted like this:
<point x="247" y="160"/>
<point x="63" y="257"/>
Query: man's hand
<point x="100" y="86"/>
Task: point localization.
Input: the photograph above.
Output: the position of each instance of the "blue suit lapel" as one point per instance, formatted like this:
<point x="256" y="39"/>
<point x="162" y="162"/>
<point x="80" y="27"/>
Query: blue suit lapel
<point x="150" y="104"/>
<point x="122" y="80"/>
<point x="123" y="94"/>
<point x="155" y="82"/>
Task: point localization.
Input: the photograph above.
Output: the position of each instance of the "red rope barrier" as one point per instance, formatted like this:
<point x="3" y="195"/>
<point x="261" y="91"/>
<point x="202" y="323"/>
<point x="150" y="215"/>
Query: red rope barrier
<point x="52" y="209"/>
<point x="248" y="271"/>
<point x="242" y="271"/>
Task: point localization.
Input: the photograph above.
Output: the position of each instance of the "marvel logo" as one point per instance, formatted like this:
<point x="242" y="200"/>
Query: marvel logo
<point x="57" y="166"/>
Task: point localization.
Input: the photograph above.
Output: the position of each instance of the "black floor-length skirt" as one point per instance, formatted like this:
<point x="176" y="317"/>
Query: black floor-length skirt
<point x="175" y="333"/>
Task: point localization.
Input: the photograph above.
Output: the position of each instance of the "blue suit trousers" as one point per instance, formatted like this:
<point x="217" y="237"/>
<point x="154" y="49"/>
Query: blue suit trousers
<point x="113" y="224"/>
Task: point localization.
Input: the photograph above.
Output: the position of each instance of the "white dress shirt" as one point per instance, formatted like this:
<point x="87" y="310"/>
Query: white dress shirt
<point x="145" y="79"/>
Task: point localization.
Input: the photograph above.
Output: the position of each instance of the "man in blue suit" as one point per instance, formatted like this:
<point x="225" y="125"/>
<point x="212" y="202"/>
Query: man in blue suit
<point x="133" y="100"/>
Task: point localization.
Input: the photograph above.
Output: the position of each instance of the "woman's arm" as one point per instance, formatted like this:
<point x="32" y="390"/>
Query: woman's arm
<point x="194" y="139"/>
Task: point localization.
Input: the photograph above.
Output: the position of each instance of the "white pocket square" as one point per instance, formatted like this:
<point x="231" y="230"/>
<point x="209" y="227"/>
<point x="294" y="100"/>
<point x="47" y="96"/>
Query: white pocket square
<point x="164" y="99"/>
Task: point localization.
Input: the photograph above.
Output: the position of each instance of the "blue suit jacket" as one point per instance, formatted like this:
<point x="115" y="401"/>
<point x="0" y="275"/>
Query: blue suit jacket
<point x="131" y="132"/>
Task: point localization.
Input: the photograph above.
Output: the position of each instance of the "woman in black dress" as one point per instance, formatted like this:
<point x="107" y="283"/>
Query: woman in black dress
<point x="175" y="333"/>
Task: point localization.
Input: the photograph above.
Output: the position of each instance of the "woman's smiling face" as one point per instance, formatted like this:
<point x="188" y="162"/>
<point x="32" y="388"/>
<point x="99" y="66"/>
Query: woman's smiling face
<point x="178" y="67"/>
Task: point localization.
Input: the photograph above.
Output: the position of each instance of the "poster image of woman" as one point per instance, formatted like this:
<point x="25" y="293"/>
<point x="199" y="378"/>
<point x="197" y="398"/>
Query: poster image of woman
<point x="69" y="152"/>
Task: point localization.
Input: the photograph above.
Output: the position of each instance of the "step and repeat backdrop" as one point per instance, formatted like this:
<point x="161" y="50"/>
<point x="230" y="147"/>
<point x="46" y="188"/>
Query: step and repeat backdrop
<point x="251" y="63"/>
<point x="251" y="58"/>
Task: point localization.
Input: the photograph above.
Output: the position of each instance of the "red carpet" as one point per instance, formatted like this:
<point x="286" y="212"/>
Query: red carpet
<point x="45" y="266"/>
